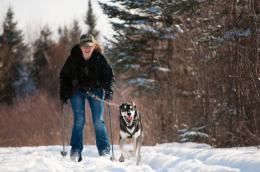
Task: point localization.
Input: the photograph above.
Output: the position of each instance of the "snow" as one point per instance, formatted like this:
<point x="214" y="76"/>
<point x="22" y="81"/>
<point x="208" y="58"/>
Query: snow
<point x="141" y="81"/>
<point x="170" y="157"/>
<point x="154" y="10"/>
<point x="139" y="22"/>
<point x="187" y="136"/>
<point x="133" y="66"/>
<point x="162" y="69"/>
<point x="179" y="29"/>
<point x="24" y="85"/>
<point x="236" y="32"/>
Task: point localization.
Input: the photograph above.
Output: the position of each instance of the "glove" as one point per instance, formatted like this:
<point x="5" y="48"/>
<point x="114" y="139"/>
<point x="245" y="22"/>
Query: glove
<point x="64" y="99"/>
<point x="108" y="95"/>
<point x="63" y="102"/>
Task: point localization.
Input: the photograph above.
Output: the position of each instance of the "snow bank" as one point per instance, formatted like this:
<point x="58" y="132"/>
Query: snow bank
<point x="171" y="157"/>
<point x="199" y="158"/>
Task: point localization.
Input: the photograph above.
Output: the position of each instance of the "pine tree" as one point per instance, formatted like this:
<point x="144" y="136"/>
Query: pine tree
<point x="41" y="58"/>
<point x="16" y="56"/>
<point x="146" y="56"/>
<point x="75" y="33"/>
<point x="64" y="38"/>
<point x="136" y="45"/>
<point x="140" y="56"/>
<point x="12" y="36"/>
<point x="211" y="83"/>
<point x="91" y="21"/>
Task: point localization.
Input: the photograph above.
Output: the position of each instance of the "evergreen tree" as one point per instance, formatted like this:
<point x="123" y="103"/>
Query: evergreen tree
<point x="75" y="33"/>
<point x="141" y="58"/>
<point x="69" y="37"/>
<point x="91" y="21"/>
<point x="64" y="38"/>
<point x="12" y="36"/>
<point x="64" y="35"/>
<point x="6" y="91"/>
<point x="15" y="55"/>
<point x="210" y="85"/>
<point x="145" y="56"/>
<point x="41" y="58"/>
<point x="136" y="45"/>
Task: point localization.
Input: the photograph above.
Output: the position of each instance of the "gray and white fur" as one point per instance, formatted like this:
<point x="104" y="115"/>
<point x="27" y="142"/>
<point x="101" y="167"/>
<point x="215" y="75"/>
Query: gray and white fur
<point x="130" y="128"/>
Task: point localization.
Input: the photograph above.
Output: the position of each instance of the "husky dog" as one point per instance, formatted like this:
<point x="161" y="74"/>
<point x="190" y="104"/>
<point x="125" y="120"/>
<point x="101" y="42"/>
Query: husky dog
<point x="130" y="128"/>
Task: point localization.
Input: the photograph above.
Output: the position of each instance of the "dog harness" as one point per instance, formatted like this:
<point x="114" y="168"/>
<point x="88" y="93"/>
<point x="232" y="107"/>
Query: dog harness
<point x="122" y="123"/>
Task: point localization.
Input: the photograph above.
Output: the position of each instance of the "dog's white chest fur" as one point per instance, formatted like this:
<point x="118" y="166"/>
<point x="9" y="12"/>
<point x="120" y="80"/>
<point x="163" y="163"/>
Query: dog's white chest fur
<point x="123" y="134"/>
<point x="126" y="135"/>
<point x="138" y="133"/>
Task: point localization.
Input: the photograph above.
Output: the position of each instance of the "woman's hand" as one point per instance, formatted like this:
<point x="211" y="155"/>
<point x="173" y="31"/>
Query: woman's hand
<point x="108" y="95"/>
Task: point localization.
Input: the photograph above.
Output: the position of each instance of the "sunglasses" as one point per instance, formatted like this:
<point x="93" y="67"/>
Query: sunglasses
<point x="87" y="46"/>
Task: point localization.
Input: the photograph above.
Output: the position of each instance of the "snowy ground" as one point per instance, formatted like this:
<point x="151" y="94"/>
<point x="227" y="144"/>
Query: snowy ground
<point x="172" y="157"/>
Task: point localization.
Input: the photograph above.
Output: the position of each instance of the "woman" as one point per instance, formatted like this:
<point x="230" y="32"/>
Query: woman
<point x="87" y="71"/>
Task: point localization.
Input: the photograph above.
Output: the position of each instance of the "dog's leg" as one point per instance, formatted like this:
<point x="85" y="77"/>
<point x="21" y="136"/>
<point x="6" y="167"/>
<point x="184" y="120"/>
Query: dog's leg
<point x="138" y="149"/>
<point x="121" y="145"/>
<point x="124" y="153"/>
<point x="135" y="147"/>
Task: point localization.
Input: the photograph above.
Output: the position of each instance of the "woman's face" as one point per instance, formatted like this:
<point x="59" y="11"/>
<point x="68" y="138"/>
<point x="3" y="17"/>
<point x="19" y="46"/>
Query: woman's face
<point x="87" y="50"/>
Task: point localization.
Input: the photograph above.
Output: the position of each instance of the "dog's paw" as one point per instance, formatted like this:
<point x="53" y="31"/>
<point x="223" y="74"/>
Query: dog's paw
<point x="138" y="159"/>
<point x="132" y="153"/>
<point x="122" y="158"/>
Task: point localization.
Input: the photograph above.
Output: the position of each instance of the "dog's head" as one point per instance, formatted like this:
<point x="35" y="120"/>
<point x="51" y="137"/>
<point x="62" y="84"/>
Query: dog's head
<point x="128" y="112"/>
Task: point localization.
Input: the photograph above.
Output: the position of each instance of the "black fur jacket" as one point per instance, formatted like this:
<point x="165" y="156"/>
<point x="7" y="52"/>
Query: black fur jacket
<point x="78" y="73"/>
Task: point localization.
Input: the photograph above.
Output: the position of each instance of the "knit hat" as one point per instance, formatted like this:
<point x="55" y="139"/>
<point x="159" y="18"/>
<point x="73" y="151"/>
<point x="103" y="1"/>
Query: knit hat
<point x="86" y="39"/>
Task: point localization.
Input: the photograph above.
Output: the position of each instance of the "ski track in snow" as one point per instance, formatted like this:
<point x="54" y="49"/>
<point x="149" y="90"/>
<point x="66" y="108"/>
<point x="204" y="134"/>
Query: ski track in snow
<point x="170" y="157"/>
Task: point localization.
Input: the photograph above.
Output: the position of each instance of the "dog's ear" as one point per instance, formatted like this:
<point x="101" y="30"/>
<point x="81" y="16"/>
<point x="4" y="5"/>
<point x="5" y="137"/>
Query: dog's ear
<point x="136" y="113"/>
<point x="133" y="104"/>
<point x="120" y="107"/>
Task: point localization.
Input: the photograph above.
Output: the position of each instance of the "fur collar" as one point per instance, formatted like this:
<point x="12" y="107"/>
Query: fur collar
<point x="76" y="54"/>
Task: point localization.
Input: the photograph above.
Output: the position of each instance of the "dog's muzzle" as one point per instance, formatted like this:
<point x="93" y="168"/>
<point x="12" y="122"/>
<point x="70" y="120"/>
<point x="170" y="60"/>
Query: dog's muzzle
<point x="129" y="118"/>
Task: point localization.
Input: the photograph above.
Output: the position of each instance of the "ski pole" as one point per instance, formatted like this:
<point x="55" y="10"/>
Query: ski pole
<point x="111" y="134"/>
<point x="63" y="152"/>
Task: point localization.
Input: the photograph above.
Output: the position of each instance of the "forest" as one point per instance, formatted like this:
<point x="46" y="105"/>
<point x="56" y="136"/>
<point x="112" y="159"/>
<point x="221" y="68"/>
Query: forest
<point x="191" y="66"/>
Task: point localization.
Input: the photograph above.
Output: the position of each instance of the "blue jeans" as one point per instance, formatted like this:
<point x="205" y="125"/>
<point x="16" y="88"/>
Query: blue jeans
<point x="97" y="109"/>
